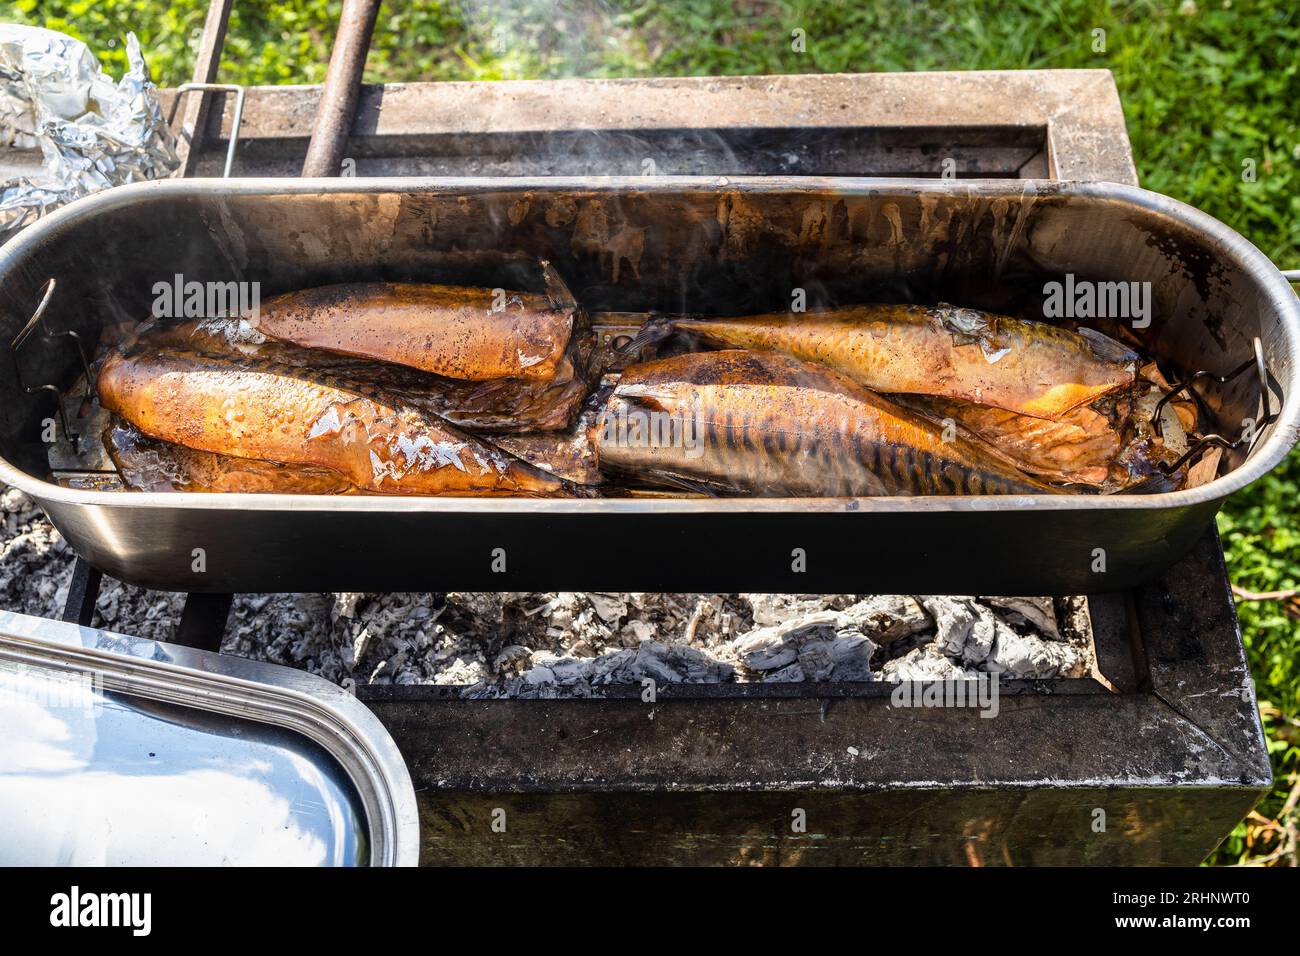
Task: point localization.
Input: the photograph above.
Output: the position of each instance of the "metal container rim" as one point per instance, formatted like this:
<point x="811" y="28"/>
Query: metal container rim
<point x="1230" y="244"/>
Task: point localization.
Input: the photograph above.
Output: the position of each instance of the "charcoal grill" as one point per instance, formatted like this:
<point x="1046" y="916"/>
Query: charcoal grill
<point x="1166" y="740"/>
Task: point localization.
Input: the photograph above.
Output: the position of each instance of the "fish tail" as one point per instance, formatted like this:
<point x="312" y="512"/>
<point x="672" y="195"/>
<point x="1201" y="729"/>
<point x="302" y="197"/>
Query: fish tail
<point x="1154" y="484"/>
<point x="1107" y="349"/>
<point x="557" y="290"/>
<point x="656" y="329"/>
<point x="575" y="490"/>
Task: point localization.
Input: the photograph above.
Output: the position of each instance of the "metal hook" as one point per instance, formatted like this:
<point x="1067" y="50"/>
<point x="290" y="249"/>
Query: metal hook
<point x="1218" y="441"/>
<point x="234" y="121"/>
<point x="21" y="339"/>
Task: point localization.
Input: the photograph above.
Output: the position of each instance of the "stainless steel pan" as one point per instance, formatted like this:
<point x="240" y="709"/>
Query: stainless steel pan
<point x="679" y="244"/>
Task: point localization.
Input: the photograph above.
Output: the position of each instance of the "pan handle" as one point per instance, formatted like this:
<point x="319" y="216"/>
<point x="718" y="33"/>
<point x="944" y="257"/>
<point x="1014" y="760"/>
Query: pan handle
<point x="235" y="121"/>
<point x="1290" y="275"/>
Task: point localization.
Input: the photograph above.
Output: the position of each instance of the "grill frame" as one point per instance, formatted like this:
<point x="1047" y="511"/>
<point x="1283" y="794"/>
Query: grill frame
<point x="895" y="811"/>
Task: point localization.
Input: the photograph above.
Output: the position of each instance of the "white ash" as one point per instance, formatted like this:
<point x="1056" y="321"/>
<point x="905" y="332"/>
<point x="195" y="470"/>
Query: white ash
<point x="35" y="562"/>
<point x="1038" y="612"/>
<point x="540" y="644"/>
<point x="822" y="646"/>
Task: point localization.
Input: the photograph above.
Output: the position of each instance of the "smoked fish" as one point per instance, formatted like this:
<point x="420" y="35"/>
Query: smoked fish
<point x="458" y="332"/>
<point x="506" y="405"/>
<point x="1080" y="447"/>
<point x="147" y="464"/>
<point x="276" y="413"/>
<point x="1029" y="368"/>
<point x="743" y="422"/>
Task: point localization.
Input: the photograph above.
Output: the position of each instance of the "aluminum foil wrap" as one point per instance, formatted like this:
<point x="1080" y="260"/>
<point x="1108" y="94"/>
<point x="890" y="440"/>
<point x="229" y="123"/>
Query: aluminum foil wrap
<point x="92" y="133"/>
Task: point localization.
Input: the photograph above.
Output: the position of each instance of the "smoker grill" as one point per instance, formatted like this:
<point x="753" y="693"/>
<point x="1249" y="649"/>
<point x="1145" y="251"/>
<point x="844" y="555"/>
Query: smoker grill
<point x="1168" y="743"/>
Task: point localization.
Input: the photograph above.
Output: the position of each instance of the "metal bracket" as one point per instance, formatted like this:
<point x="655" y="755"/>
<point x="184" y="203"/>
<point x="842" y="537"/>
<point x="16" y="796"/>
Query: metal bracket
<point x="203" y="621"/>
<point x="83" y="590"/>
<point x="1266" y="380"/>
<point x="21" y="339"/>
<point x="238" y="118"/>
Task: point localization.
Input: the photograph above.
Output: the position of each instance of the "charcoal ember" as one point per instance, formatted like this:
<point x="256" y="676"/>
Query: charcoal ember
<point x="291" y="629"/>
<point x="553" y="675"/>
<point x="388" y="669"/>
<point x="664" y="663"/>
<point x="576" y="617"/>
<point x="495" y="620"/>
<point x="924" y="664"/>
<point x="17" y="502"/>
<point x="826" y="645"/>
<point x="610" y="608"/>
<point x="701" y="619"/>
<point x="476" y="610"/>
<point x="954" y="618"/>
<point x="35" y="562"/>
<point x="512" y="660"/>
<point x="1075" y="622"/>
<point x="635" y="632"/>
<point x="766" y="649"/>
<point x="1038" y="613"/>
<point x="769" y="609"/>
<point x="983" y="636"/>
<point x="1027" y="656"/>
<point x="850" y="658"/>
<point x="345" y="605"/>
<point x="972" y="635"/>
<point x="548" y="668"/>
<point x="455" y="667"/>
<point x="965" y="628"/>
<point x="790" y="674"/>
<point x="148" y="614"/>
<point x="889" y="617"/>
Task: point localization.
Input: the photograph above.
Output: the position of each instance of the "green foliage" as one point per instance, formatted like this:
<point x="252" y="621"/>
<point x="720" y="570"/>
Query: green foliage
<point x="1261" y="539"/>
<point x="1206" y="88"/>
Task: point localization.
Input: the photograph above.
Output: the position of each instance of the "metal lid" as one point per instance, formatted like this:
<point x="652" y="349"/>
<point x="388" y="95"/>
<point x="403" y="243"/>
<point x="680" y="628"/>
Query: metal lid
<point x="125" y="751"/>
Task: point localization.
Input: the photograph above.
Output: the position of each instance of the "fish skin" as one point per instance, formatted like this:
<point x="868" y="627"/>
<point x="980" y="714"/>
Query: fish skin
<point x="567" y="453"/>
<point x="447" y="330"/>
<point x="1036" y="369"/>
<point x="772" y="425"/>
<point x="265" y="411"/>
<point x="510" y="405"/>
<point x="147" y="464"/>
<point x="1079" y="447"/>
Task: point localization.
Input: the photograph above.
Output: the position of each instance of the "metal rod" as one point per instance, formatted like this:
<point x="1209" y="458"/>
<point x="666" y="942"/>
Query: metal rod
<point x="21" y="339"/>
<point x="1218" y="441"/>
<point x="235" y="120"/>
<point x="194" y="121"/>
<point x="338" y="98"/>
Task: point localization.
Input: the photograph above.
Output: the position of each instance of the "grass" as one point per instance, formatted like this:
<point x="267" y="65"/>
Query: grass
<point x="1208" y="88"/>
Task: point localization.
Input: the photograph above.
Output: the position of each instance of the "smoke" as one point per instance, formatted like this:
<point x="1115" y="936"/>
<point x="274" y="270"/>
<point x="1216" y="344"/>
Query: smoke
<point x="545" y="39"/>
